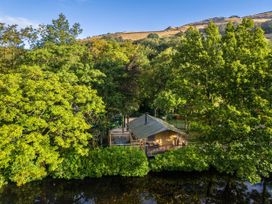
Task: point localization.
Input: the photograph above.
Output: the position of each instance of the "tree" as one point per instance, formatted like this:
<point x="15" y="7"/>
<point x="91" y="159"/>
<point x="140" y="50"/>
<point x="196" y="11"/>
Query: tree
<point x="156" y="78"/>
<point x="12" y="42"/>
<point x="72" y="63"/>
<point x="59" y="32"/>
<point x="122" y="63"/>
<point x="196" y="63"/>
<point x="42" y="118"/>
<point x="225" y="83"/>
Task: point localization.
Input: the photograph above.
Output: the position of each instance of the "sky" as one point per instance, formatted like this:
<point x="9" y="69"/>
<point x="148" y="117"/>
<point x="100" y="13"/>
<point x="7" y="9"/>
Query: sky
<point x="109" y="16"/>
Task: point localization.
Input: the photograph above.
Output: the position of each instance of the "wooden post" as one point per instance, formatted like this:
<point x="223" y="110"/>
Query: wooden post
<point x="109" y="137"/>
<point x="127" y="121"/>
<point x="146" y="148"/>
<point x="123" y="121"/>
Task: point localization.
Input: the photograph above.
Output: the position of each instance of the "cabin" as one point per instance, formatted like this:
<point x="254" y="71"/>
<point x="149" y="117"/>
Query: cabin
<point x="152" y="134"/>
<point x="156" y="134"/>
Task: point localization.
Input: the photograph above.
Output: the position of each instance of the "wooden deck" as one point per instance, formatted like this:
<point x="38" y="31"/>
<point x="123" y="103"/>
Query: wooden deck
<point x="122" y="137"/>
<point x="153" y="151"/>
<point x="119" y="137"/>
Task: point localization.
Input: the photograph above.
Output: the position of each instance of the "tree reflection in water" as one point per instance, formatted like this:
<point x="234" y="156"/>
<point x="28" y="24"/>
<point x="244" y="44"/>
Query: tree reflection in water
<point x="154" y="188"/>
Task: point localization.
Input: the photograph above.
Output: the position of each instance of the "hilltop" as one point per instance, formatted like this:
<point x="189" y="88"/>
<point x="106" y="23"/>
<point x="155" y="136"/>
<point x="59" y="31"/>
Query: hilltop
<point x="262" y="19"/>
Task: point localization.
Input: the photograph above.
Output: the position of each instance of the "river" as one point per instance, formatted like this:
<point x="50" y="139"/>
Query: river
<point x="155" y="188"/>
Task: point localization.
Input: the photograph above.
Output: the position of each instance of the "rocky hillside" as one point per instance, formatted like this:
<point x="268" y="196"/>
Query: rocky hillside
<point x="263" y="19"/>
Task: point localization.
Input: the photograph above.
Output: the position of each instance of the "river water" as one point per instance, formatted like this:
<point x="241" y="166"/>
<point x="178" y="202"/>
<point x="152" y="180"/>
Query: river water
<point x="154" y="188"/>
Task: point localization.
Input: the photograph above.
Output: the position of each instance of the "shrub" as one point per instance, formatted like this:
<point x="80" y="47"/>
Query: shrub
<point x="190" y="158"/>
<point x="71" y="167"/>
<point x="2" y="181"/>
<point x="153" y="36"/>
<point x="111" y="161"/>
<point x="241" y="159"/>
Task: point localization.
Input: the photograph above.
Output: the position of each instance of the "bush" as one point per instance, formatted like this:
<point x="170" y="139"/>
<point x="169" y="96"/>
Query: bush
<point x="198" y="127"/>
<point x="153" y="36"/>
<point x="241" y="159"/>
<point x="71" y="167"/>
<point x="190" y="158"/>
<point x="2" y="181"/>
<point x="111" y="161"/>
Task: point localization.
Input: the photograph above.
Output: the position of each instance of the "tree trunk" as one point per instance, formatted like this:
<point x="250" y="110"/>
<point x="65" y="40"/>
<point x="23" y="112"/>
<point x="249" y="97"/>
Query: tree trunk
<point x="264" y="192"/>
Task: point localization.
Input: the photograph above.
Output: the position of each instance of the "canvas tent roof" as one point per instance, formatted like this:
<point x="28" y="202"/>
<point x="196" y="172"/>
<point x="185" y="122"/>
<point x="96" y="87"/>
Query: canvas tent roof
<point x="152" y="127"/>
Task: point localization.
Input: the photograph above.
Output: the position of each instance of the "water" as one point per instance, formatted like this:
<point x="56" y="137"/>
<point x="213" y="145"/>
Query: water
<point x="154" y="188"/>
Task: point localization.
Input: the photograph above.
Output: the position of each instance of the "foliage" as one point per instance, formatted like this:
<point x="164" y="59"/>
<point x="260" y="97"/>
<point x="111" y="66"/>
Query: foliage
<point x="190" y="158"/>
<point x="12" y="41"/>
<point x="168" y="102"/>
<point x="153" y="35"/>
<point x="2" y="181"/>
<point x="59" y="32"/>
<point x="52" y="96"/>
<point x="154" y="46"/>
<point x="248" y="160"/>
<point x="111" y="161"/>
<point x="40" y="117"/>
<point x="122" y="63"/>
<point x="72" y="63"/>
<point x="224" y="82"/>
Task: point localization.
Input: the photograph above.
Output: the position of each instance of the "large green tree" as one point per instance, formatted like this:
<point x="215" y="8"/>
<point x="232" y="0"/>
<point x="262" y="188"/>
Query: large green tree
<point x="224" y="83"/>
<point x="59" y="32"/>
<point x="122" y="63"/>
<point x="12" y="42"/>
<point x="42" y="118"/>
<point x="48" y="104"/>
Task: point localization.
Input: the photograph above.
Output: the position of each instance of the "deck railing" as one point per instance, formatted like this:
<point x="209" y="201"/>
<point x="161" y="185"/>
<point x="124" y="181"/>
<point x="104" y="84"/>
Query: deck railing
<point x="150" y="150"/>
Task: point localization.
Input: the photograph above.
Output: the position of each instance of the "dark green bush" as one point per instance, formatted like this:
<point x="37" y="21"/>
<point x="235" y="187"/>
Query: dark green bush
<point x="2" y="181"/>
<point x="241" y="159"/>
<point x="153" y="35"/>
<point x="111" y="161"/>
<point x="71" y="167"/>
<point x="190" y="158"/>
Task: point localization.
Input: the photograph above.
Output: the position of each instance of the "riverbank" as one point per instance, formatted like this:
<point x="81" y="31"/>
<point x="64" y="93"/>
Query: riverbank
<point x="174" y="187"/>
<point x="133" y="162"/>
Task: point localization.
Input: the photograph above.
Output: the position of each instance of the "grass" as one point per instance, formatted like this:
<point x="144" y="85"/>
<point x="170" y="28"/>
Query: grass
<point x="193" y="136"/>
<point x="180" y="124"/>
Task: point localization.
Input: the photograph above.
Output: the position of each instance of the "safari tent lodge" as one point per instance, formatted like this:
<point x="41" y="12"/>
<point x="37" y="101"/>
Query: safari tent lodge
<point x="153" y="134"/>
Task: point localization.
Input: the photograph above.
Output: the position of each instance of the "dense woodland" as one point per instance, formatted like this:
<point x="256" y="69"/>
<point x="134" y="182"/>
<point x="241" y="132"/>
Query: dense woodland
<point x="58" y="97"/>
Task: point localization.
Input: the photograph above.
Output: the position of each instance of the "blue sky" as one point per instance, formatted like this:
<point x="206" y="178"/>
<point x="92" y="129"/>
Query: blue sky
<point x="104" y="16"/>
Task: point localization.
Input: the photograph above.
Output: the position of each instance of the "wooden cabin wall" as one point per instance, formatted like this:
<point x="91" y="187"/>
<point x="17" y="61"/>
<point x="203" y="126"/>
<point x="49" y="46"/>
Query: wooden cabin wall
<point x="167" y="138"/>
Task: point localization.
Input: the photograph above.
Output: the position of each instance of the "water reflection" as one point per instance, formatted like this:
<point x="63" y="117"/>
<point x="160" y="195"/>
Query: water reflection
<point x="167" y="188"/>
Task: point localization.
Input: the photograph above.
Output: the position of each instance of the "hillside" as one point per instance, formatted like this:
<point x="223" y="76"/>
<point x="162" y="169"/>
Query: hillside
<point x="261" y="19"/>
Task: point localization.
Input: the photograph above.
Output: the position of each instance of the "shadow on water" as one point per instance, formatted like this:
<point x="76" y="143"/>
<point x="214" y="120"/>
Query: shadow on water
<point x="154" y="188"/>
